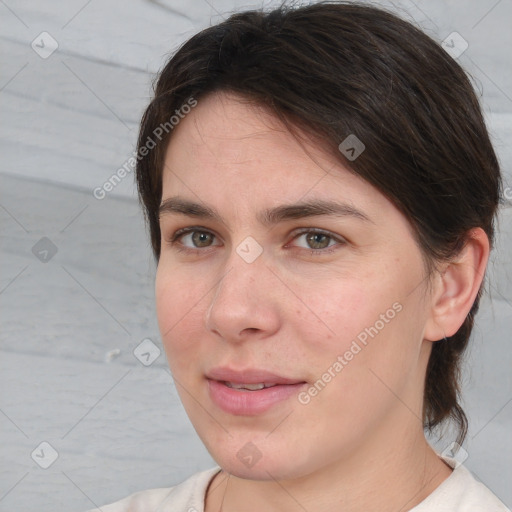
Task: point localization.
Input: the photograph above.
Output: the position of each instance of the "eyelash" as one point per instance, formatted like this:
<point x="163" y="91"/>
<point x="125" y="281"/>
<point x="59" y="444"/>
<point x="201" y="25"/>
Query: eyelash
<point x="174" y="240"/>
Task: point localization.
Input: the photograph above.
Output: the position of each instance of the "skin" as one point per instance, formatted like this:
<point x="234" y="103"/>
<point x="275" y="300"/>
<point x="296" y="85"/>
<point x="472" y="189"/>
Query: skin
<point x="359" y="443"/>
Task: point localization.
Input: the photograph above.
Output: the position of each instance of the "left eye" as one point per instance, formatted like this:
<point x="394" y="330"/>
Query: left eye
<point x="317" y="240"/>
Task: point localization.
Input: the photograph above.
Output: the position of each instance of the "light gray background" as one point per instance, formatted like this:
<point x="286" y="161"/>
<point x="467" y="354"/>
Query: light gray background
<point x="69" y="326"/>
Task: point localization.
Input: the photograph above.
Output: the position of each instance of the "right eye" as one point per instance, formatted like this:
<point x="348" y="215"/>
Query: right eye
<point x="192" y="239"/>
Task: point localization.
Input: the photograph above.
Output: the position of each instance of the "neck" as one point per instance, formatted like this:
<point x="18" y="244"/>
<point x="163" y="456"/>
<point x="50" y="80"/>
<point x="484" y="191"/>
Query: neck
<point x="392" y="478"/>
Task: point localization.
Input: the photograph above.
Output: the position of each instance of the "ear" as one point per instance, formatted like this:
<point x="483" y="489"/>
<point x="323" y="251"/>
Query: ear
<point x="456" y="286"/>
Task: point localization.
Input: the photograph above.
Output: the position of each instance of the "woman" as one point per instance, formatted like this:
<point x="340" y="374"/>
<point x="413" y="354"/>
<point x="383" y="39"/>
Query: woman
<point x="320" y="191"/>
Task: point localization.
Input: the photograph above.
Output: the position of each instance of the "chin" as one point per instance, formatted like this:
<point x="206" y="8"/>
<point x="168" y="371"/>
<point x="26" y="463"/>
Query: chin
<point x="262" y="470"/>
<point x="259" y="459"/>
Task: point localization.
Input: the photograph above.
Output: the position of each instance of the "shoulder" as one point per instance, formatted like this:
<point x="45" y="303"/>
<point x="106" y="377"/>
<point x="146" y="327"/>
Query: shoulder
<point x="188" y="495"/>
<point x="461" y="492"/>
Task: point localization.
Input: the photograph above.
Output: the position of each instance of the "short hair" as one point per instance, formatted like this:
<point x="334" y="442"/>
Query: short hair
<point x="332" y="70"/>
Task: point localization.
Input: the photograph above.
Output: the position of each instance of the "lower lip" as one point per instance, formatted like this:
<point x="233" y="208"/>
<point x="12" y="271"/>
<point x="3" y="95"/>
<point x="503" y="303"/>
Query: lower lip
<point x="250" y="403"/>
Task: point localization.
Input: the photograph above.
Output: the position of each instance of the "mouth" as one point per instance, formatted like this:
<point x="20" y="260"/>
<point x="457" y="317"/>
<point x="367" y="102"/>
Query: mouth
<point x="249" y="387"/>
<point x="250" y="392"/>
<point x="249" y="377"/>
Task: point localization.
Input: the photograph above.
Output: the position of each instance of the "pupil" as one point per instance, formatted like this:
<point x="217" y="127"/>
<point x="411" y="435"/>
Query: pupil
<point x="200" y="238"/>
<point x="317" y="238"/>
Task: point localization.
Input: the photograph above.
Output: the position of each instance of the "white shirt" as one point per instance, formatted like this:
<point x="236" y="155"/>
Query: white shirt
<point x="460" y="492"/>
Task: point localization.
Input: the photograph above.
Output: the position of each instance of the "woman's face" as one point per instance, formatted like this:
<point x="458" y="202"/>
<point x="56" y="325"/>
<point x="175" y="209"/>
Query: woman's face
<point x="330" y="304"/>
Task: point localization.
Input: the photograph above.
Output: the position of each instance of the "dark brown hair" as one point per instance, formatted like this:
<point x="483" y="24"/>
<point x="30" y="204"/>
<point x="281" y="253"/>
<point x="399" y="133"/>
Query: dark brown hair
<point x="336" y="69"/>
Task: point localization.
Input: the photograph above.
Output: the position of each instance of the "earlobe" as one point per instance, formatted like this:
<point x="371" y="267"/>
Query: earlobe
<point x="457" y="286"/>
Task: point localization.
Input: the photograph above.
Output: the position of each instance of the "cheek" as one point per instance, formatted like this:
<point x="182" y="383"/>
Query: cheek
<point x="177" y="305"/>
<point x="336" y="310"/>
<point x="369" y="321"/>
<point x="376" y="355"/>
<point x="166" y="299"/>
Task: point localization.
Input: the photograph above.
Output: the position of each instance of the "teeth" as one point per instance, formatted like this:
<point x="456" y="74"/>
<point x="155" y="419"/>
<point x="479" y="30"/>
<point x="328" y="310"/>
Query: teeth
<point x="250" y="387"/>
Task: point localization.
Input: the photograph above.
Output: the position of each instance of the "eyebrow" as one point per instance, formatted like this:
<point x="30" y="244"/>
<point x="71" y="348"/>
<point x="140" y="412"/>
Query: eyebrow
<point x="269" y="217"/>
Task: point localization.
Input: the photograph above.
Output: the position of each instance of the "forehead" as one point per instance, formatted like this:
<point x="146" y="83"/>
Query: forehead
<point x="229" y="150"/>
<point x="226" y="130"/>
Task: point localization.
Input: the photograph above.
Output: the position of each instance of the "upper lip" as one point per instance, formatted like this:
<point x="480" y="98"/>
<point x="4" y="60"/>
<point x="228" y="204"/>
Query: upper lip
<point x="249" y="376"/>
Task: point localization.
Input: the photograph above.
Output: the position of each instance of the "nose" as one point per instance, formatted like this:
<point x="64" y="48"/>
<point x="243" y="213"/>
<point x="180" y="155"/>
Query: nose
<point x="244" y="303"/>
